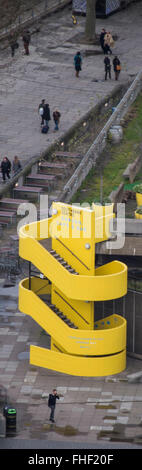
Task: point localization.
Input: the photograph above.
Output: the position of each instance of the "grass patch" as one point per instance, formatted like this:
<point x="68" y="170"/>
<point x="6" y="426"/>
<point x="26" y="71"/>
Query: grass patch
<point x="114" y="159"/>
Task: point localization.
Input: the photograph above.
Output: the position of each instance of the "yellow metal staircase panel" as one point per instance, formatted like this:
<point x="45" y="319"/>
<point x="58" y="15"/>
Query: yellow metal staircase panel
<point x="94" y="349"/>
<point x="78" y="366"/>
<point x="82" y="342"/>
<point x="99" y="287"/>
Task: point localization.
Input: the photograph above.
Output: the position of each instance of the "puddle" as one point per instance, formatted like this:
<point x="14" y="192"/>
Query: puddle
<point x="105" y="407"/>
<point x="67" y="431"/>
<point x="63" y="430"/>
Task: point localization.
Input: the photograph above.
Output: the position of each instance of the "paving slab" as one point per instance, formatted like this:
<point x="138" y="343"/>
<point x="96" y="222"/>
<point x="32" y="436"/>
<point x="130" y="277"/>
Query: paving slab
<point x="88" y="406"/>
<point x="49" y="72"/>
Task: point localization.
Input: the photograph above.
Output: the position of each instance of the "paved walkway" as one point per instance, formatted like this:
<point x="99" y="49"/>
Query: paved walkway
<point x="90" y="410"/>
<point x="48" y="72"/>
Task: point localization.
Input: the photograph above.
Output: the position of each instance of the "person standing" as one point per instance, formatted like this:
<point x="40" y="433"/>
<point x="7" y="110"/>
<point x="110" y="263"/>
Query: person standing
<point x="16" y="165"/>
<point x="26" y="40"/>
<point x="46" y="114"/>
<point x="77" y="63"/>
<point x="116" y="67"/>
<point x="107" y="67"/>
<point x="52" y="403"/>
<point x="13" y="42"/>
<point x="5" y="168"/>
<point x="56" y="117"/>
<point x="41" y="111"/>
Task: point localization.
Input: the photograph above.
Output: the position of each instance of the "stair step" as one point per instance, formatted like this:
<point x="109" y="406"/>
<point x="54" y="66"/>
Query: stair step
<point x="68" y="155"/>
<point x="58" y="312"/>
<point x="63" y="262"/>
<point x="10" y="203"/>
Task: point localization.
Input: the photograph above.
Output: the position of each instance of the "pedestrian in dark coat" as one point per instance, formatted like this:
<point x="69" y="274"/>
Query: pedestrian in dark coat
<point x="77" y="63"/>
<point x="52" y="403"/>
<point x="116" y="67"/>
<point x="26" y="40"/>
<point x="103" y="32"/>
<point x="107" y="67"/>
<point x="56" y="117"/>
<point x="5" y="168"/>
<point x="13" y="42"/>
<point x="46" y="114"/>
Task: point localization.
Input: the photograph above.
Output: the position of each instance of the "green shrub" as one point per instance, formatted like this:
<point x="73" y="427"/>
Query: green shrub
<point x="139" y="210"/>
<point x="138" y="188"/>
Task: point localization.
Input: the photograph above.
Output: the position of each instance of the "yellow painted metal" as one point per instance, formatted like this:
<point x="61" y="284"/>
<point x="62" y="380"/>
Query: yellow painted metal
<point x="103" y="215"/>
<point x="88" y="342"/>
<point x="139" y="199"/>
<point x="91" y="349"/>
<point x="137" y="215"/>
<point x="78" y="366"/>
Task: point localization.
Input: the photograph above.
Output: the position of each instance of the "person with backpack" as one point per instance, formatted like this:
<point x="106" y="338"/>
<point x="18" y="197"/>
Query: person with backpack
<point x="107" y="67"/>
<point x="77" y="63"/>
<point x="116" y="67"/>
<point x="52" y="403"/>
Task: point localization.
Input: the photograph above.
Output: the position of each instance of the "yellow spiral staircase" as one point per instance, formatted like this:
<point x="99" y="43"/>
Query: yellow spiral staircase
<point x="62" y="299"/>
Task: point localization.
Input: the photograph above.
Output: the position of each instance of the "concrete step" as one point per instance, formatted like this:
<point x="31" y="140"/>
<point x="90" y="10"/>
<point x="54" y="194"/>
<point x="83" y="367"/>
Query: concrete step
<point x="64" y="154"/>
<point x="10" y="203"/>
<point x="9" y="216"/>
<point x="57" y="168"/>
<point x="44" y="181"/>
<point x="28" y="191"/>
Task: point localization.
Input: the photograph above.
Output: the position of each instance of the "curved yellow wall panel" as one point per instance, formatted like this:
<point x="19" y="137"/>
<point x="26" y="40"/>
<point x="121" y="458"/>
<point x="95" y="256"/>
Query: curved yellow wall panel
<point x="63" y="303"/>
<point x="79" y="366"/>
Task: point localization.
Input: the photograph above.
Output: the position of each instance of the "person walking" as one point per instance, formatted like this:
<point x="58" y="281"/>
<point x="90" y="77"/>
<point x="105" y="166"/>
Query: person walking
<point x="26" y="40"/>
<point x="46" y="114"/>
<point x="52" y="403"/>
<point x="77" y="63"/>
<point x="116" y="67"/>
<point x="16" y="165"/>
<point x="56" y="117"/>
<point x="5" y="168"/>
<point x="107" y="67"/>
<point x="41" y="111"/>
<point x="103" y="32"/>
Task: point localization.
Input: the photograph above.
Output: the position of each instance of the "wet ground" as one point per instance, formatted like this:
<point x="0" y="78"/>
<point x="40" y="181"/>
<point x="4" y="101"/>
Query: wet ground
<point x="91" y="410"/>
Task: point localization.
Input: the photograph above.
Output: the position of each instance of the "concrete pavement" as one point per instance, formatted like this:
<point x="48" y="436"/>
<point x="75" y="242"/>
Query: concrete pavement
<point x="91" y="410"/>
<point x="100" y="410"/>
<point x="48" y="72"/>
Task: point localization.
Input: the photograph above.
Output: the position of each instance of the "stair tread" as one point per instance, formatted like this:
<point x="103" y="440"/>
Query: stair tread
<point x="58" y="312"/>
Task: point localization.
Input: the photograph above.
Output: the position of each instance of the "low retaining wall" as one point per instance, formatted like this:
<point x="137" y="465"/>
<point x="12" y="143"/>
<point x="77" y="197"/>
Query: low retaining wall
<point x="99" y="144"/>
